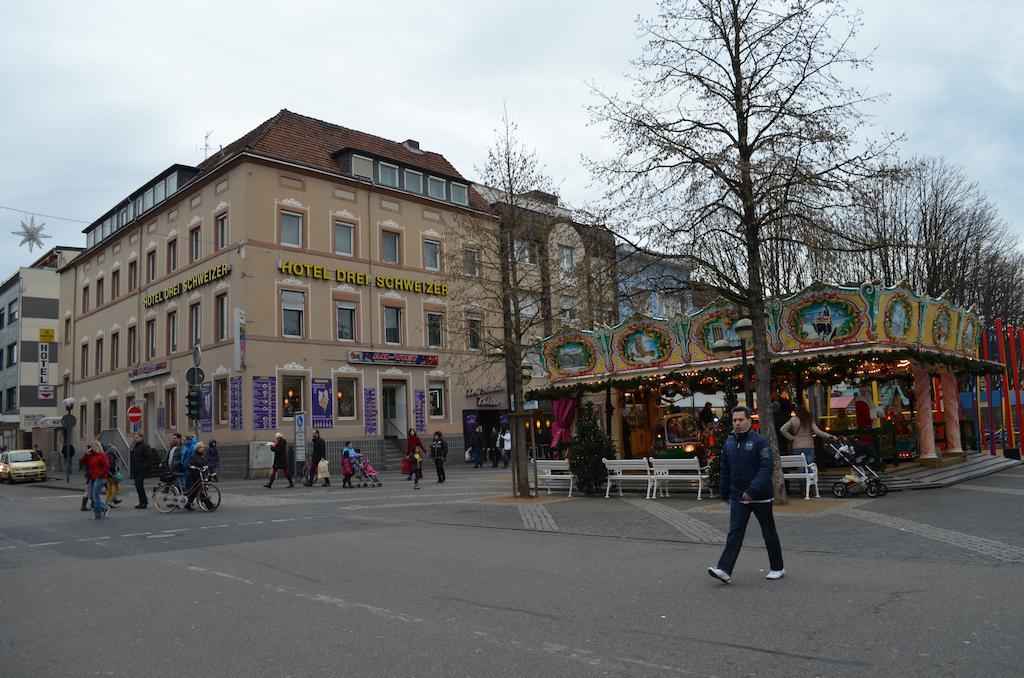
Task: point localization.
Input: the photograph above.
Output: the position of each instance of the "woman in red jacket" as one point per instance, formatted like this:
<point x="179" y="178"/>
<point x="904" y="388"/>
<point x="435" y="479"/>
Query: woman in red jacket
<point x="412" y="443"/>
<point x="96" y="468"/>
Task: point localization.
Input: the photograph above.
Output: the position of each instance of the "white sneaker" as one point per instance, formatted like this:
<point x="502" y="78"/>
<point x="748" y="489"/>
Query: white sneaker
<point x="776" y="574"/>
<point x="721" y="575"/>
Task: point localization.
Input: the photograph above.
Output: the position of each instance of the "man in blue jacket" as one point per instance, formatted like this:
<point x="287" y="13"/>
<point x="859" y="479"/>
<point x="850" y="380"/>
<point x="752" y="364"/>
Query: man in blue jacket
<point x="746" y="483"/>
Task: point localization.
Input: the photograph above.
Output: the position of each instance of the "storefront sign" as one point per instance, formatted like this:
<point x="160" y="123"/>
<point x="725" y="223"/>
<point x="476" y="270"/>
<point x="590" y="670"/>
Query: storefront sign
<point x="370" y="411"/>
<point x="148" y="370"/>
<point x="264" y="403"/>
<point x="480" y="390"/>
<point x="46" y="336"/>
<point x="44" y="365"/>
<point x="388" y="358"/>
<point x="206" y="407"/>
<point x="322" y="410"/>
<point x="340" y="275"/>
<point x="235" y="388"/>
<point x="208" y="276"/>
<point x="487" y="401"/>
<point x="420" y="410"/>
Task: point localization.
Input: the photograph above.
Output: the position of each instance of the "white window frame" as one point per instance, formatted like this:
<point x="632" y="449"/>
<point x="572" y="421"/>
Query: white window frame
<point x="221" y="401"/>
<point x="419" y="181"/>
<point x="470" y="319"/>
<point x="280" y="234"/>
<point x="433" y="181"/>
<point x="426" y="264"/>
<point x="440" y="329"/>
<point x="398" y="246"/>
<point x="355" y="398"/>
<point x="195" y="321"/>
<point x="523" y="252"/>
<point x="398" y="311"/>
<point x="465" y="193"/>
<point x="381" y="166"/>
<point x="285" y="307"/>
<point x="221" y="318"/>
<point x="357" y="174"/>
<point x="339" y="306"/>
<point x="565" y="264"/>
<point x="351" y="240"/>
<point x="221" y="230"/>
<point x="434" y="386"/>
<point x="476" y="262"/>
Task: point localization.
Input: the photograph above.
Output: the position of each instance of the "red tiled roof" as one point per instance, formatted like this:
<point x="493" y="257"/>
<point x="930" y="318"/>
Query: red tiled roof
<point x="307" y="141"/>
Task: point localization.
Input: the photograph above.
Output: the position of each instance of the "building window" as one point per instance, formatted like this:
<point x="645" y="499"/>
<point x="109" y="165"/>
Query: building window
<point x="83" y="417"/>
<point x="85" y="299"/>
<point x="170" y="408"/>
<point x="115" y="351"/>
<point x="345" y="395"/>
<point x="346" y="321"/>
<point x="172" y="333"/>
<point x="221" y="400"/>
<point x="12" y="354"/>
<point x="151" y="266"/>
<point x="220" y="310"/>
<point x="172" y="256"/>
<point x="525" y="252"/>
<point x="293" y="305"/>
<point x="3" y="316"/>
<point x="435" y="188"/>
<point x="471" y="262"/>
<point x="434" y="330"/>
<point x="292" y="391"/>
<point x="529" y="306"/>
<point x="432" y="255"/>
<point x="474" y="338"/>
<point x="67" y="387"/>
<point x="435" y="397"/>
<point x="150" y="339"/>
<point x="112" y="412"/>
<point x="221" y="226"/>
<point x="344" y="239"/>
<point x="566" y="258"/>
<point x="97" y="419"/>
<point x="195" y="244"/>
<point x="12" y="398"/>
<point x="570" y="311"/>
<point x="133" y="349"/>
<point x="12" y="312"/>
<point x="195" y="324"/>
<point x="99" y="292"/>
<point x="387" y="175"/>
<point x="67" y="329"/>
<point x="392" y="325"/>
<point x="83" y="363"/>
<point x="362" y="167"/>
<point x="291" y="229"/>
<point x="413" y="181"/>
<point x="115" y="285"/>
<point x="390" y="247"/>
<point x="99" y="356"/>
<point x="460" y="194"/>
<point x="133" y="275"/>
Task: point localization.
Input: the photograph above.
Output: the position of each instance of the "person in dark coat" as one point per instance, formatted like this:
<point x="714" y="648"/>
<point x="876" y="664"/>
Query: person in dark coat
<point x="139" y="458"/>
<point x="494" y="446"/>
<point x="476" y="444"/>
<point x="319" y="454"/>
<point x="412" y="443"/>
<point x="213" y="454"/>
<point x="280" y="448"/>
<point x="439" y="453"/>
<point x="196" y="462"/>
<point x="745" y="482"/>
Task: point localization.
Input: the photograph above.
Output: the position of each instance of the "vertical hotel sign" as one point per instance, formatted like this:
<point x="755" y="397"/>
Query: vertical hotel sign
<point x="46" y="337"/>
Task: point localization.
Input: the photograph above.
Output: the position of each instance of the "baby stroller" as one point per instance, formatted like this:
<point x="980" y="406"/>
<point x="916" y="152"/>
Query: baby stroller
<point x="859" y="455"/>
<point x="366" y="475"/>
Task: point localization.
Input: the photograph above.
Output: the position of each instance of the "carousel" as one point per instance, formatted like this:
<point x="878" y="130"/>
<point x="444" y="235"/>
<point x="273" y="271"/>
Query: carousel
<point x="900" y="358"/>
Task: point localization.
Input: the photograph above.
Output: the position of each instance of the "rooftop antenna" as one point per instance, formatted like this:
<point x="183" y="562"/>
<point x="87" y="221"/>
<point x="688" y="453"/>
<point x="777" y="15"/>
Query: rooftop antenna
<point x="205" y="148"/>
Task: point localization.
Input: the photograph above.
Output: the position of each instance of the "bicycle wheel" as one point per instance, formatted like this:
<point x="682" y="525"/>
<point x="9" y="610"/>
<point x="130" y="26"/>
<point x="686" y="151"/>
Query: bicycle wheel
<point x="209" y="497"/>
<point x="165" y="498"/>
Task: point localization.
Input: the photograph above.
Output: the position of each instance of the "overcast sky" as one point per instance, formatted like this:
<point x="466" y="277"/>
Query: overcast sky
<point x="99" y="97"/>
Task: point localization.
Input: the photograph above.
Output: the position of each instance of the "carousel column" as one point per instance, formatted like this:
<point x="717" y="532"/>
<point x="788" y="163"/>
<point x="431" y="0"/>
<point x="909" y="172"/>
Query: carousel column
<point x="616" y="429"/>
<point x="923" y="411"/>
<point x="951" y="410"/>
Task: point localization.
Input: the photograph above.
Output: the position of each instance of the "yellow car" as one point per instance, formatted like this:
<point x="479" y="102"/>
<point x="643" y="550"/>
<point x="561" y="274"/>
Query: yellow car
<point x="18" y="465"/>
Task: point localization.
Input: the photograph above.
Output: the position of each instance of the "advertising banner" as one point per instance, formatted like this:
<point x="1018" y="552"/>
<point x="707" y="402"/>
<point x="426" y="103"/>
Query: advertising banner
<point x="370" y="411"/>
<point x="235" y="389"/>
<point x="264" y="403"/>
<point x="322" y="409"/>
<point x="206" y="407"/>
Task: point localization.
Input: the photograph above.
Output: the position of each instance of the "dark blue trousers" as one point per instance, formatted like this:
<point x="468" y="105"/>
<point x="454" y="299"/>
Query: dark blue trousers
<point x="739" y="516"/>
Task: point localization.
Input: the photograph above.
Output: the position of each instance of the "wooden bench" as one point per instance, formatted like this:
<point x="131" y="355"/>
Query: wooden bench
<point x="553" y="472"/>
<point x="665" y="471"/>
<point x="795" y="467"/>
<point x="635" y="471"/>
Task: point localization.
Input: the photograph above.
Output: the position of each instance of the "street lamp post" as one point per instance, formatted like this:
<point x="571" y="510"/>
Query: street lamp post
<point x="723" y="347"/>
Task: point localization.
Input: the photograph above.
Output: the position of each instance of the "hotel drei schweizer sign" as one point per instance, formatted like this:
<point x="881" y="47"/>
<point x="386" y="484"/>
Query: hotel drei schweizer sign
<point x="340" y="275"/>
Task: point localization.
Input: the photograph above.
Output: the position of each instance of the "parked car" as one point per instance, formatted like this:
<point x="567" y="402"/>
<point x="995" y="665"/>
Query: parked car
<point x="17" y="465"/>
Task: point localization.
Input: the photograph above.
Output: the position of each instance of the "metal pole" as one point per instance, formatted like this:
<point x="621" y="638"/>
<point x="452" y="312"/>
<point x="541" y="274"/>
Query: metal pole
<point x="67" y="457"/>
<point x="748" y="398"/>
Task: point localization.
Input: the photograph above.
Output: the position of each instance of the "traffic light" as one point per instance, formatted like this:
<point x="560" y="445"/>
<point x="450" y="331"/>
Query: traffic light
<point x="192" y="404"/>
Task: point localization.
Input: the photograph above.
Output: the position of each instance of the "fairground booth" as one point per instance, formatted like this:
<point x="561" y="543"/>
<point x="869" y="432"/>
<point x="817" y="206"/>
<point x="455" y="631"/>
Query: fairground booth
<point x="900" y="358"/>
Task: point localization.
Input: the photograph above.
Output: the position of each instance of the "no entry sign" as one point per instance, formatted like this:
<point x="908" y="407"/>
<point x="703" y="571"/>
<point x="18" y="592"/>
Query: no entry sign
<point x="135" y="414"/>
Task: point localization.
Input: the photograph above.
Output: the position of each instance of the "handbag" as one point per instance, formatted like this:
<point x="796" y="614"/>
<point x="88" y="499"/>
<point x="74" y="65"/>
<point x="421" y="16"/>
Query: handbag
<point x="469" y="457"/>
<point x="118" y="477"/>
<point x="322" y="469"/>
<point x="405" y="466"/>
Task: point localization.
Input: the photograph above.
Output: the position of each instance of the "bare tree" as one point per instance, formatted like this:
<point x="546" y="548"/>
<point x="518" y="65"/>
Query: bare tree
<point x="739" y="135"/>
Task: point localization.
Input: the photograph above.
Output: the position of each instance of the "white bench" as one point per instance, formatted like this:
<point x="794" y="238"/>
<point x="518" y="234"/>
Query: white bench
<point x="553" y="472"/>
<point x="795" y="467"/>
<point x="635" y="471"/>
<point x="685" y="470"/>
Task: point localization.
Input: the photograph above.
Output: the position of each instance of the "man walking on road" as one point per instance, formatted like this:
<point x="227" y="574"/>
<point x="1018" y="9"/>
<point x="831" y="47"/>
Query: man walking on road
<point x="746" y="484"/>
<point x="138" y="458"/>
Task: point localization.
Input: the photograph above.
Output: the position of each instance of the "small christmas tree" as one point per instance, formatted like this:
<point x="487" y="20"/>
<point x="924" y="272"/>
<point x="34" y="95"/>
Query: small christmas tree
<point x="586" y="450"/>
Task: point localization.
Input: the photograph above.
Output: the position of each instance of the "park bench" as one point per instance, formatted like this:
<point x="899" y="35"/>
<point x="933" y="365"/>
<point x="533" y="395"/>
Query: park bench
<point x="795" y="467"/>
<point x="634" y="471"/>
<point x="688" y="471"/>
<point x="553" y="472"/>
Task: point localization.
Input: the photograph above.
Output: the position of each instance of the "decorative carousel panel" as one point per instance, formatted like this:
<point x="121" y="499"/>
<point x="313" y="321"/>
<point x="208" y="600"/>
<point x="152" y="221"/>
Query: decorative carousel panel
<point x="571" y="355"/>
<point x="642" y="344"/>
<point x="899" y="317"/>
<point x="824" y="319"/>
<point x="940" y="326"/>
<point x="711" y="325"/>
<point x="970" y="334"/>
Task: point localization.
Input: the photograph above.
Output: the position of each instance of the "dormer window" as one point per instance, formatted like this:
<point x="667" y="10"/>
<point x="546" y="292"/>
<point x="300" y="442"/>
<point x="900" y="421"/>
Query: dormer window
<point x="362" y="167"/>
<point x="435" y="188"/>
<point x="460" y="194"/>
<point x="413" y="181"/>
<point x="387" y="175"/>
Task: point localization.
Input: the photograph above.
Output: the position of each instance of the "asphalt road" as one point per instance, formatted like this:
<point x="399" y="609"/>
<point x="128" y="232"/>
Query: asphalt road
<point x="456" y="580"/>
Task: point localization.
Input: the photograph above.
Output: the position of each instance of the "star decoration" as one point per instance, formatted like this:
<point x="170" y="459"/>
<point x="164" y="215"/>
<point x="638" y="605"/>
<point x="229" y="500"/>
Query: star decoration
<point x="31" y="234"/>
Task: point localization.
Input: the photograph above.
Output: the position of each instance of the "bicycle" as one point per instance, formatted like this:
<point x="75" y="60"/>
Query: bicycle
<point x="167" y="496"/>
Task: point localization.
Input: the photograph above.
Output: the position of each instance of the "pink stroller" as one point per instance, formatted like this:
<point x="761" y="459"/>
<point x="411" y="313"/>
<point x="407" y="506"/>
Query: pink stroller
<point x="366" y="475"/>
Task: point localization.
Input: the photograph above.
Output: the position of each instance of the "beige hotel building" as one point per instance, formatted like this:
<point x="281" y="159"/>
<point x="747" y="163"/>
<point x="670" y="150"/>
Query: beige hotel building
<point x="308" y="261"/>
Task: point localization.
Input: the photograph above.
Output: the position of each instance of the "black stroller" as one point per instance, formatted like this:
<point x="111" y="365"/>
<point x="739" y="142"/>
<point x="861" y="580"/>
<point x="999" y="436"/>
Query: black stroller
<point x="859" y="455"/>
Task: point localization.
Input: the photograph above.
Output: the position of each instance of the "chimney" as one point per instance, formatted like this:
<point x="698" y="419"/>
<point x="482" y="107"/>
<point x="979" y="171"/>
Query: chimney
<point x="412" y="145"/>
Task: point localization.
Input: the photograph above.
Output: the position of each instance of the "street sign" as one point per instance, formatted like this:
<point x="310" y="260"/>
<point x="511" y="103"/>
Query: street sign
<point x="195" y="375"/>
<point x="197" y="355"/>
<point x="46" y="392"/>
<point x="135" y="414"/>
<point x="300" y="436"/>
<point x="46" y="336"/>
<point x="68" y="421"/>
